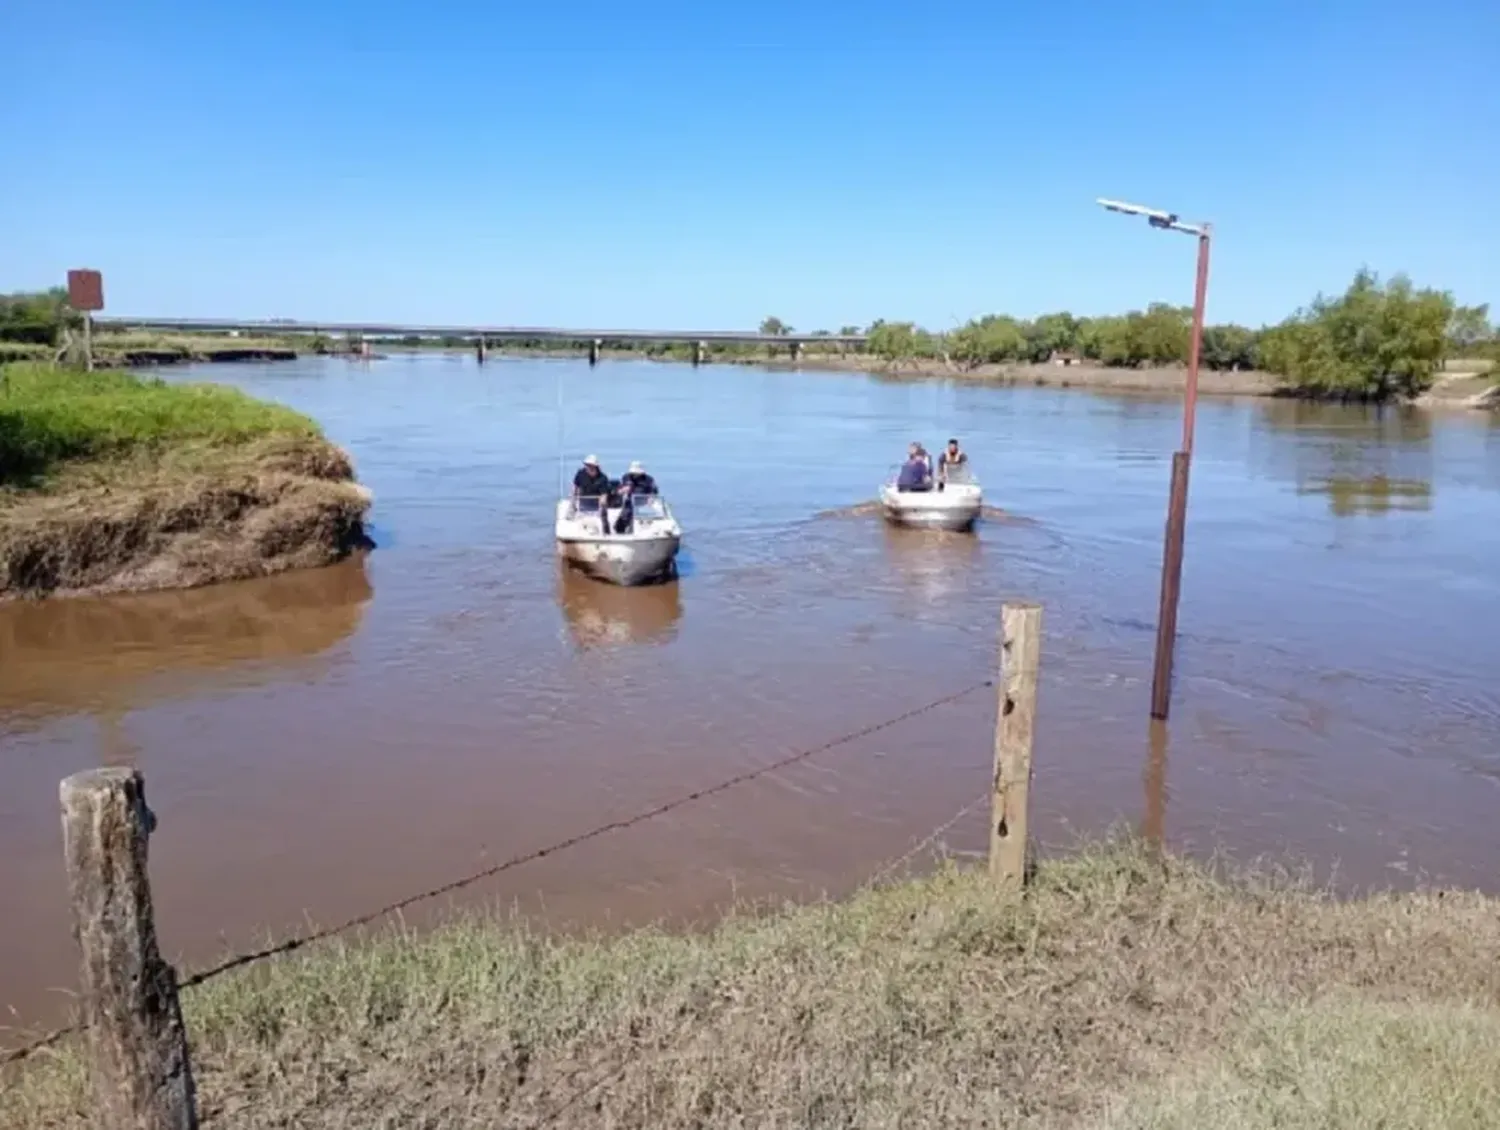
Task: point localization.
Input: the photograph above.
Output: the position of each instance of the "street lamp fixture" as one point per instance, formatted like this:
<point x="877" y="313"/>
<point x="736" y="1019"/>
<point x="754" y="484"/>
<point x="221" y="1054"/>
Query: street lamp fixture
<point x="1156" y="217"/>
<point x="1171" y="565"/>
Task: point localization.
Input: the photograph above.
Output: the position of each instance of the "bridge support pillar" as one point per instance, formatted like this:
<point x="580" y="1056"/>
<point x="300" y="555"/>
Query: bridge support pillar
<point x="700" y="352"/>
<point x="796" y="352"/>
<point x="480" y="350"/>
<point x="594" y="347"/>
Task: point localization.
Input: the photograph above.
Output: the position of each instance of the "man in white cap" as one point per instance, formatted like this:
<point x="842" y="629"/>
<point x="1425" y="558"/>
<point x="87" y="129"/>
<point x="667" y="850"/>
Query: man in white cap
<point x="591" y="488"/>
<point x="636" y="483"/>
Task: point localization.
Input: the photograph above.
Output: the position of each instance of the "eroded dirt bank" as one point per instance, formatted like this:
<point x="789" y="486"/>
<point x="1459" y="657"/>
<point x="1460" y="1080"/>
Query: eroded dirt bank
<point x="197" y="517"/>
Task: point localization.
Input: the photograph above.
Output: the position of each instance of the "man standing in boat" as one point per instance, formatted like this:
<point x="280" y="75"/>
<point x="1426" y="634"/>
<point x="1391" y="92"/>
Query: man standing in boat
<point x="636" y="483"/>
<point x="591" y="490"/>
<point x="951" y="459"/>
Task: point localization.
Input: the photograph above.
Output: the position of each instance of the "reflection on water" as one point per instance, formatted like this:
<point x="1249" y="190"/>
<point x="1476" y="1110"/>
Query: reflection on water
<point x="1375" y="495"/>
<point x="1383" y="423"/>
<point x="1365" y="459"/>
<point x="601" y="615"/>
<point x="932" y="565"/>
<point x="72" y="655"/>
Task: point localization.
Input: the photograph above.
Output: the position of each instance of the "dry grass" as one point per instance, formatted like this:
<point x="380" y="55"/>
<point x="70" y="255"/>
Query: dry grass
<point x="189" y="343"/>
<point x="110" y="483"/>
<point x="1339" y="1062"/>
<point x="1122" y="993"/>
<point x="192" y="514"/>
<point x="133" y="348"/>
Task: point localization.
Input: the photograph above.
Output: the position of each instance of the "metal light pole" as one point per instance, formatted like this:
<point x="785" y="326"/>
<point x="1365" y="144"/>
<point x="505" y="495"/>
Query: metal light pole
<point x="1171" y="565"/>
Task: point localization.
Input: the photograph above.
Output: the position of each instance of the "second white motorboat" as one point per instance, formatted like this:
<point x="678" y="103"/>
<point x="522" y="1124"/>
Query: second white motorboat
<point x="956" y="506"/>
<point x="645" y="553"/>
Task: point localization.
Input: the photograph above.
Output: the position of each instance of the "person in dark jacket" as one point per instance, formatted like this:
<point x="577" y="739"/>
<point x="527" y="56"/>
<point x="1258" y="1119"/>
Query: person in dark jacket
<point x="591" y="489"/>
<point x="916" y="472"/>
<point x="636" y="483"/>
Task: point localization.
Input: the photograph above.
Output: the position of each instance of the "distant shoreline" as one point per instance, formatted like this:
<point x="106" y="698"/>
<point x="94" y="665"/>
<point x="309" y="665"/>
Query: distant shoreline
<point x="1451" y="390"/>
<point x="1459" y="389"/>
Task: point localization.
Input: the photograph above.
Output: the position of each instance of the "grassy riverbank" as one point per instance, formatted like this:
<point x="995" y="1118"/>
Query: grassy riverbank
<point x="134" y="350"/>
<point x="113" y="483"/>
<point x="1123" y="992"/>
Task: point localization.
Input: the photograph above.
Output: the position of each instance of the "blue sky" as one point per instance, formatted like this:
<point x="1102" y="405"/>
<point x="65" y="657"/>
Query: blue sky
<point x="703" y="165"/>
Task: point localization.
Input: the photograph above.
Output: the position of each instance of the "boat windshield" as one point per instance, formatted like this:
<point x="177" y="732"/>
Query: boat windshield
<point x="959" y="473"/>
<point x="649" y="506"/>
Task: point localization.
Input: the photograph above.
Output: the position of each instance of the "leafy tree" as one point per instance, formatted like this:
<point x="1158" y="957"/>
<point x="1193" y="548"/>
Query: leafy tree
<point x="1160" y="335"/>
<point x="1049" y="334"/>
<point x="1229" y="348"/>
<point x="37" y="317"/>
<point x="927" y="345"/>
<point x="1109" y="341"/>
<point x="775" y="327"/>
<point x="894" y="341"/>
<point x="1373" y="342"/>
<point x="990" y="340"/>
<point x="1469" y="327"/>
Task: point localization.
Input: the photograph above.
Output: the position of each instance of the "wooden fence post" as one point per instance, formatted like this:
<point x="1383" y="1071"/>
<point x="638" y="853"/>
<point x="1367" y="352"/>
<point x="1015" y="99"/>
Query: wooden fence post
<point x="1015" y="733"/>
<point x="141" y="1073"/>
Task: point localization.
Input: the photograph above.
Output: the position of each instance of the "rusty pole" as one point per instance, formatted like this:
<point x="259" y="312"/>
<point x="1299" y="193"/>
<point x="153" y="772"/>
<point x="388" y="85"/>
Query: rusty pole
<point x="1195" y="343"/>
<point x="1182" y="461"/>
<point x="1171" y="586"/>
<point x="1171" y="563"/>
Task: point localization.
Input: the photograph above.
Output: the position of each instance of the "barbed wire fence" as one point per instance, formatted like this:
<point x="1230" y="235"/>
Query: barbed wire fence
<point x="301" y="940"/>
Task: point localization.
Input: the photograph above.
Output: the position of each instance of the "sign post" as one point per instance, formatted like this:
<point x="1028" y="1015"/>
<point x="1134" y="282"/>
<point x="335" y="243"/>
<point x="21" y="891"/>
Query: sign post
<point x="86" y="295"/>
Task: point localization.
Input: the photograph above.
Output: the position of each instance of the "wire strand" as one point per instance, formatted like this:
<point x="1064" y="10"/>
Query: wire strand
<point x="927" y="841"/>
<point x="296" y="942"/>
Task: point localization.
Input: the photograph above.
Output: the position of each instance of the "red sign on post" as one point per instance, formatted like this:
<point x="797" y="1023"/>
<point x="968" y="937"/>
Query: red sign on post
<point x="86" y="290"/>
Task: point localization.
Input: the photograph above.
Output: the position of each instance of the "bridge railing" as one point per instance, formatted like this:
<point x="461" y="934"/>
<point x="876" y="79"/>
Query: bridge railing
<point x="276" y="327"/>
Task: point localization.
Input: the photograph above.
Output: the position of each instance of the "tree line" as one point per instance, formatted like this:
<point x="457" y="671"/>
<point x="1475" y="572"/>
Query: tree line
<point x="1377" y="340"/>
<point x="36" y="317"/>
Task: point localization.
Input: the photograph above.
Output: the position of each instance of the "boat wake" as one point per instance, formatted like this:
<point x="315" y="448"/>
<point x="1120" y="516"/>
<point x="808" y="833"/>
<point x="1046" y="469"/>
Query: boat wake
<point x="871" y="509"/>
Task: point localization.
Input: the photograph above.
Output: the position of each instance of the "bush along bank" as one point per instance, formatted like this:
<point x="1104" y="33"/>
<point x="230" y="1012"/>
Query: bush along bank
<point x="112" y="483"/>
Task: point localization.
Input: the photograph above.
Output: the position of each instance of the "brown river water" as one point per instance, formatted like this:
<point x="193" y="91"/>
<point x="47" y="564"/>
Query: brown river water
<point x="323" y="743"/>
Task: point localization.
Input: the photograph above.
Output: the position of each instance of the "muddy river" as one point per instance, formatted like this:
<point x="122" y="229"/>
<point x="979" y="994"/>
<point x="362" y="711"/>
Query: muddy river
<point x="322" y="743"/>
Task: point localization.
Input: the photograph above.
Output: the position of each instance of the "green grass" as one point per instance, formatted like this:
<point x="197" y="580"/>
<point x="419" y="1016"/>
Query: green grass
<point x="50" y="417"/>
<point x="1124" y="992"/>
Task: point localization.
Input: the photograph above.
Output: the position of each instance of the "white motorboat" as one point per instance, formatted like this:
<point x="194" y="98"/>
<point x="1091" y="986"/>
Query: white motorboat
<point x="955" y="507"/>
<point x="644" y="553"/>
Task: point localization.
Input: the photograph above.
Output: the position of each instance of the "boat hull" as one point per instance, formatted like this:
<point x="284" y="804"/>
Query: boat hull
<point x="643" y="556"/>
<point x="952" y="509"/>
<point x="622" y="560"/>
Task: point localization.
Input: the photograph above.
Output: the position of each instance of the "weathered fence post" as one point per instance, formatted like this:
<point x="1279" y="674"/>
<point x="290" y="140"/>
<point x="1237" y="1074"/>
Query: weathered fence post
<point x="141" y="1074"/>
<point x="1015" y="732"/>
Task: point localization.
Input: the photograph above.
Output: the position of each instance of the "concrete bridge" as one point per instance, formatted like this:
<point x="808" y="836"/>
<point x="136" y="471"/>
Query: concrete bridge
<point x="482" y="336"/>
